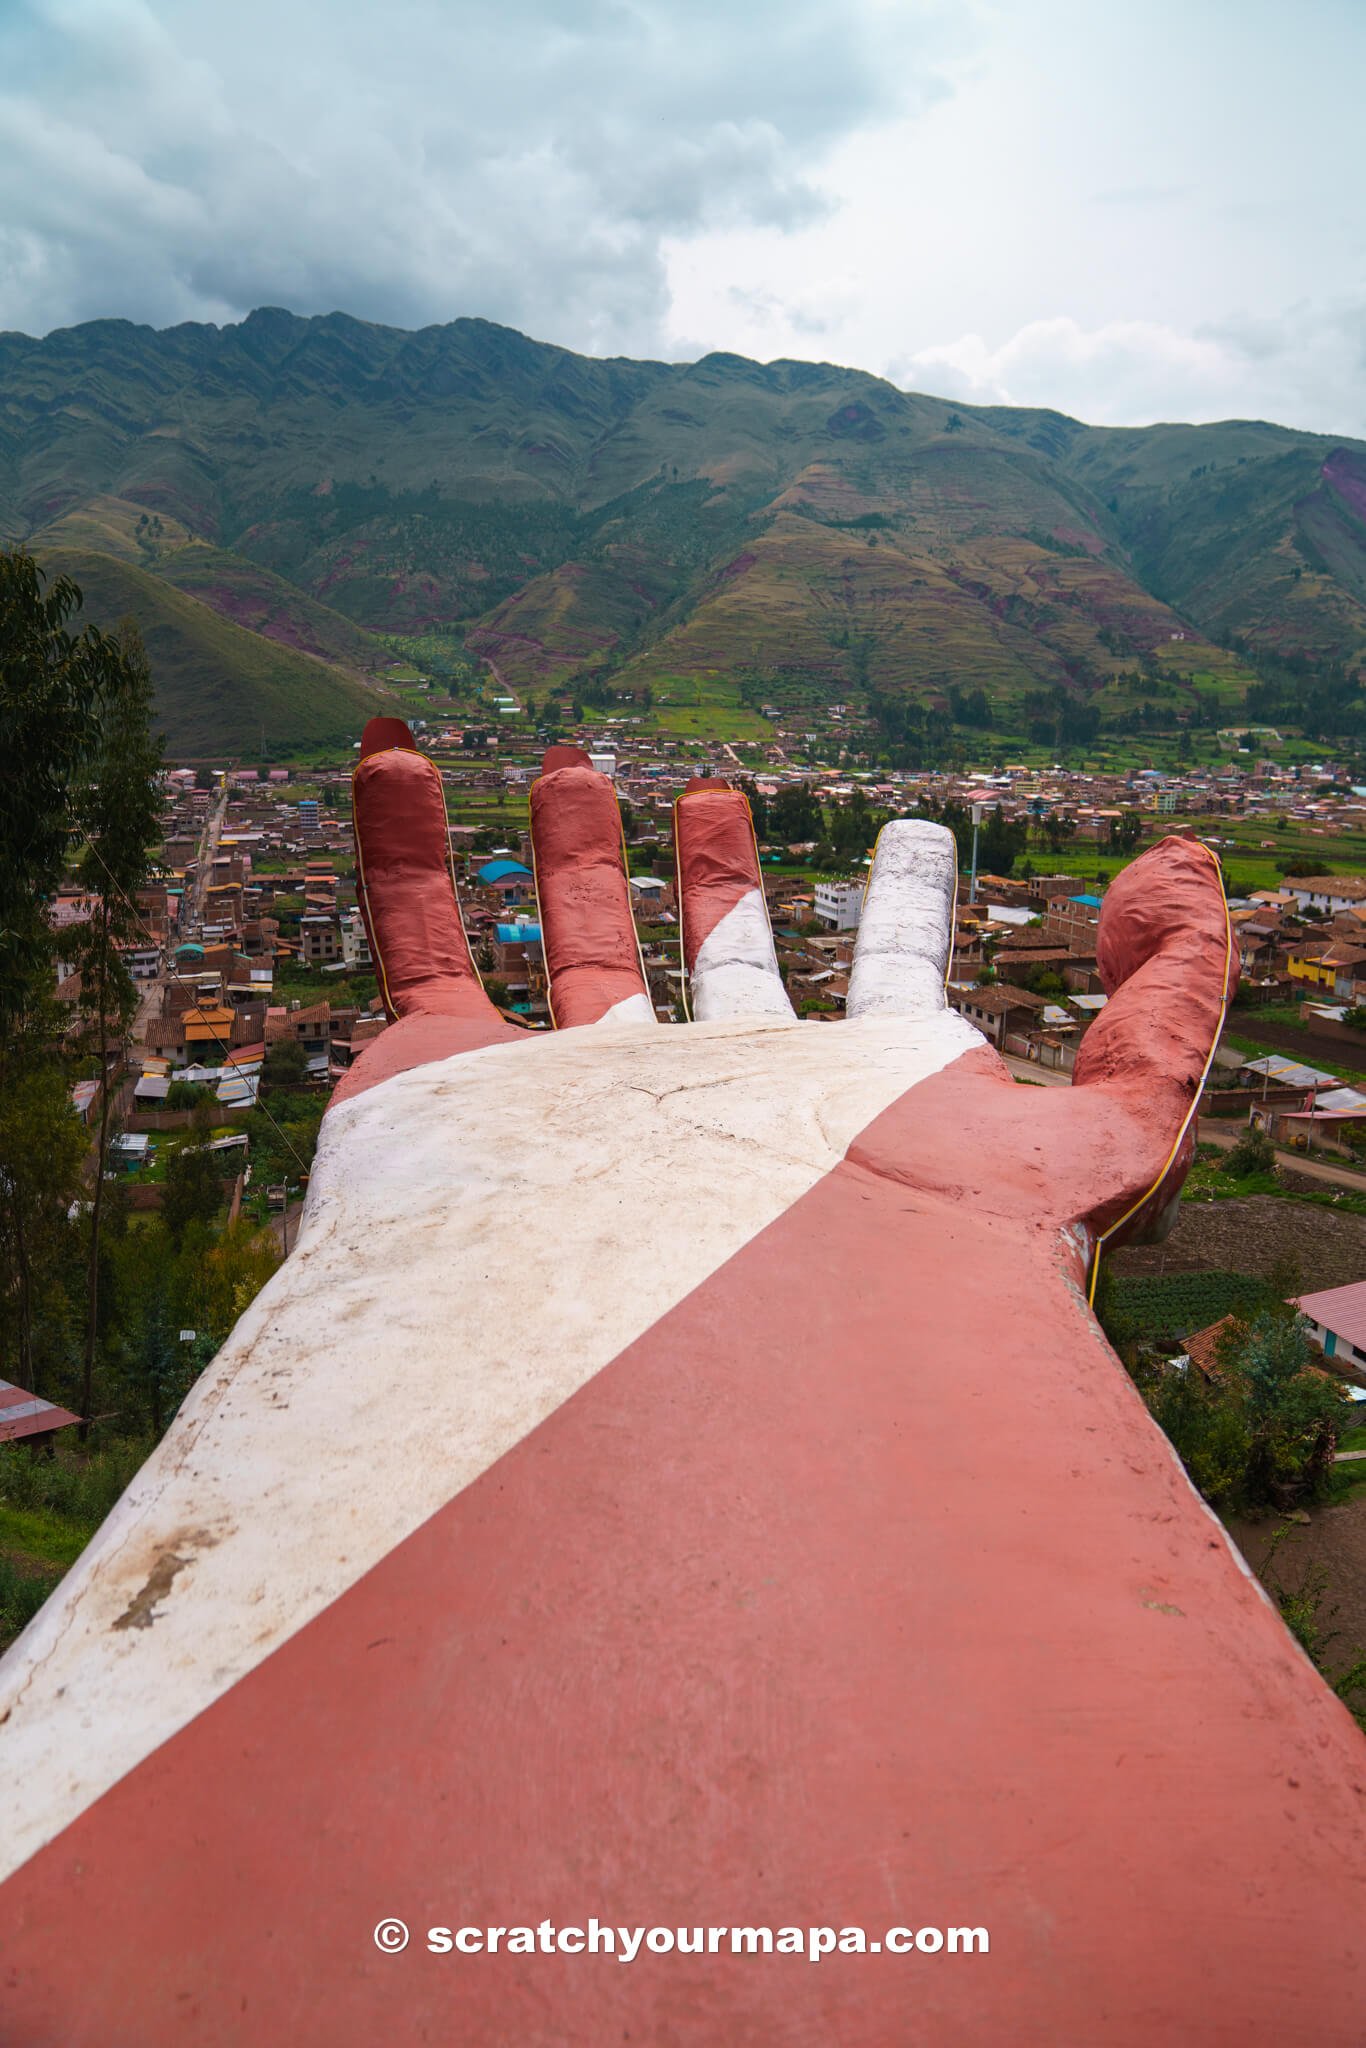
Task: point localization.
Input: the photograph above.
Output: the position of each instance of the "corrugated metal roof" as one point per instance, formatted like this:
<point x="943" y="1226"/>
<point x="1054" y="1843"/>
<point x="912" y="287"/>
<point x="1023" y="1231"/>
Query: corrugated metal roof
<point x="1289" y="1073"/>
<point x="1341" y="1309"/>
<point x="25" y="1414"/>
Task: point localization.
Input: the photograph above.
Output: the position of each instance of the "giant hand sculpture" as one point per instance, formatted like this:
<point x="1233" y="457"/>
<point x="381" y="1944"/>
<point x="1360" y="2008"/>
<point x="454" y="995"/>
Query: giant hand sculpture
<point x="677" y="1481"/>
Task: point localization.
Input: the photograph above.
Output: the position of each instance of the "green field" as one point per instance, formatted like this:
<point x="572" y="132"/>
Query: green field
<point x="1177" y="1304"/>
<point x="704" y="707"/>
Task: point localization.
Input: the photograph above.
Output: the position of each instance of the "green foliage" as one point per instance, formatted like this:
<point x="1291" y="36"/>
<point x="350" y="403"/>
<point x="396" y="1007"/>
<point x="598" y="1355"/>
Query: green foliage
<point x="22" y="1593"/>
<point x="1169" y="1307"/>
<point x="1207" y="1427"/>
<point x="1302" y="1610"/>
<point x="42" y="1151"/>
<point x="1253" y="1153"/>
<point x="486" y="494"/>
<point x="285" y="1064"/>
<point x="192" y="1191"/>
<point x="1263" y="1429"/>
<point x="186" y="1095"/>
<point x="193" y="649"/>
<point x="52" y="684"/>
<point x="78" y="1486"/>
<point x="794" y="815"/>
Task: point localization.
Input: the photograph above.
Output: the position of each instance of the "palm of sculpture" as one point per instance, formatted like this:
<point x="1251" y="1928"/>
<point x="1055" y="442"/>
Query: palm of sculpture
<point x="677" y="1480"/>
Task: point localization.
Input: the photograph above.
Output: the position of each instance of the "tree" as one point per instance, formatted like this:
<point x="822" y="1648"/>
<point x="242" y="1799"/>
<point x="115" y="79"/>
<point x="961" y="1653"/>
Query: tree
<point x="794" y="815"/>
<point x="1262" y="1429"/>
<point x="758" y="807"/>
<point x="193" y="1189"/>
<point x="51" y="684"/>
<point x="42" y="1150"/>
<point x="285" y="1064"/>
<point x="119" y="810"/>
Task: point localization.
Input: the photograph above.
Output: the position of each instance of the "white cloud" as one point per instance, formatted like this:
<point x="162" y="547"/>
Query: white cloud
<point x="1304" y="366"/>
<point x="521" y="159"/>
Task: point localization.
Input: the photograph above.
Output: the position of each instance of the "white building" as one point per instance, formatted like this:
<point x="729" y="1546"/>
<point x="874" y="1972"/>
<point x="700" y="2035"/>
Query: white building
<point x="1326" y="892"/>
<point x="356" y="942"/>
<point x="839" y="905"/>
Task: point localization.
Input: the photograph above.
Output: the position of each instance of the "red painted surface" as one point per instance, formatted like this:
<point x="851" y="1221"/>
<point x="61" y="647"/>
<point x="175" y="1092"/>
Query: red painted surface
<point x="418" y="1040"/>
<point x="587" y="926"/>
<point x="718" y="861"/>
<point x="862" y="1591"/>
<point x="407" y="894"/>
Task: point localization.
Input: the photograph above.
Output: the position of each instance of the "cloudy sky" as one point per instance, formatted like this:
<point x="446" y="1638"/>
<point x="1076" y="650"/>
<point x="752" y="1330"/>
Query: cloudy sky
<point x="1127" y="209"/>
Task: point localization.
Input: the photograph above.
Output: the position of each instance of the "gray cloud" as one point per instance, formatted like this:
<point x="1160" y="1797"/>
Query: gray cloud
<point x="529" y="160"/>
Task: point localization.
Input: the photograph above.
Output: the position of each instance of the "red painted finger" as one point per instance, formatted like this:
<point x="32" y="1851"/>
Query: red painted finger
<point x="588" y="930"/>
<point x="727" y="940"/>
<point x="1166" y="956"/>
<point x="406" y="888"/>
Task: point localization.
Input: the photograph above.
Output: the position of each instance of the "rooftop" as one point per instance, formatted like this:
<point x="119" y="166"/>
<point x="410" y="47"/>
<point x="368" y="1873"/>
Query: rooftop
<point x="1340" y="1309"/>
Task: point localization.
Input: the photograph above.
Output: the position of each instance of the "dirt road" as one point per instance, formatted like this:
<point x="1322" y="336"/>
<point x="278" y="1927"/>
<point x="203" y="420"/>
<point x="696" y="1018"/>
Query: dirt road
<point x="1292" y="1162"/>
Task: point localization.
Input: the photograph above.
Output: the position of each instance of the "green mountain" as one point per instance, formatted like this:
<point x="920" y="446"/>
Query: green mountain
<point x="718" y="531"/>
<point x="219" y="687"/>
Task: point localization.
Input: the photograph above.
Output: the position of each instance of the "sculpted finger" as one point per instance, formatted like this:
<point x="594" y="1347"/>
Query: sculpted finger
<point x="732" y="969"/>
<point x="588" y="930"/>
<point x="427" y="977"/>
<point x="1166" y="956"/>
<point x="905" y="939"/>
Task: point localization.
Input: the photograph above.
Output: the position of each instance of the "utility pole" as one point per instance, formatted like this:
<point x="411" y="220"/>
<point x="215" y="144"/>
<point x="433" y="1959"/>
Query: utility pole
<point x="977" y="811"/>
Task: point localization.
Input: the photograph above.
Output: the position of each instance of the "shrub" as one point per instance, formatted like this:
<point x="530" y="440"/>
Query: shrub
<point x="1253" y="1153"/>
<point x="1264" y="1431"/>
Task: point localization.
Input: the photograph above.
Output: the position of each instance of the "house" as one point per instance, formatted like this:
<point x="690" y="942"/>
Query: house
<point x="320" y="940"/>
<point x="838" y="905"/>
<point x="356" y="944"/>
<point x="1337" y="1323"/>
<point x="1305" y="961"/>
<point x="1327" y="892"/>
<point x="206" y="1028"/>
<point x="998" y="1011"/>
<point x="1073" y="922"/>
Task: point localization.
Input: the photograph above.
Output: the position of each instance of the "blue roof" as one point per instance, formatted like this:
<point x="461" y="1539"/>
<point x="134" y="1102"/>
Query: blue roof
<point x="496" y="870"/>
<point x="509" y="934"/>
<point x="1092" y="901"/>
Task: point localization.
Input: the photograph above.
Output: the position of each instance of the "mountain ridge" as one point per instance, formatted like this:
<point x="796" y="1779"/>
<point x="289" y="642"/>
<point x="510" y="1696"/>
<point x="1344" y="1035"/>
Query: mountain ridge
<point x="792" y="525"/>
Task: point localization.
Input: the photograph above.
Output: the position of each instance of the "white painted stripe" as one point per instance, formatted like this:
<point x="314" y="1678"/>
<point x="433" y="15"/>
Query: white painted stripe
<point x="736" y="973"/>
<point x="637" y="1009"/>
<point x="481" y="1236"/>
<point x="901" y="958"/>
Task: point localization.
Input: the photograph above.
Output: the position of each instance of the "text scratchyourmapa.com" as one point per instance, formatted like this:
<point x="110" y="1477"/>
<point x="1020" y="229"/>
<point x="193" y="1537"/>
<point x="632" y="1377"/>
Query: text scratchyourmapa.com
<point x="625" y="1944"/>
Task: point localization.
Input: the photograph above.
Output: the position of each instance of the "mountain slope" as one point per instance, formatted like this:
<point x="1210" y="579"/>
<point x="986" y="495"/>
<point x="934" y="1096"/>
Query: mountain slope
<point x="322" y="480"/>
<point x="218" y="686"/>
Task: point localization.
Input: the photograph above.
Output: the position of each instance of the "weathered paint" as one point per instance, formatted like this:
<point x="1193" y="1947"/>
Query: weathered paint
<point x="832" y="1599"/>
<point x="802" y="1556"/>
<point x="728" y="952"/>
<point x="584" y="896"/>
<point x="905" y="937"/>
<point x="306" y="1451"/>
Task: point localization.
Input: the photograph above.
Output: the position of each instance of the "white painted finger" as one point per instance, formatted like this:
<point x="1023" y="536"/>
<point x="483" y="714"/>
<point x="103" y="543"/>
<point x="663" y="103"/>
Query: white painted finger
<point x="728" y="948"/>
<point x="901" y="958"/>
